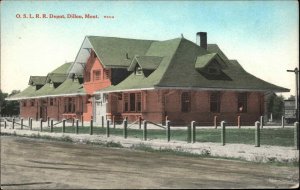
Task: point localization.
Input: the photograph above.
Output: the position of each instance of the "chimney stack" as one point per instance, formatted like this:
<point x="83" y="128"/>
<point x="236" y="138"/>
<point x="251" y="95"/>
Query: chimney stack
<point x="201" y="39"/>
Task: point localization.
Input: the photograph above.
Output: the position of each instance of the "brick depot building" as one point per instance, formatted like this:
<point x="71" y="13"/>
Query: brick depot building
<point x="150" y="79"/>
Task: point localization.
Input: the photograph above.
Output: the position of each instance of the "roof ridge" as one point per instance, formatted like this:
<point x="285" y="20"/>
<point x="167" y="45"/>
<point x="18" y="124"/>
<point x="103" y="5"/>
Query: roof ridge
<point x="123" y="38"/>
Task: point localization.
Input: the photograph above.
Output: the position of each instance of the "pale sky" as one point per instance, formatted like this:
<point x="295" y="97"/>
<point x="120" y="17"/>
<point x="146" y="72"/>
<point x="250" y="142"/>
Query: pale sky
<point x="261" y="35"/>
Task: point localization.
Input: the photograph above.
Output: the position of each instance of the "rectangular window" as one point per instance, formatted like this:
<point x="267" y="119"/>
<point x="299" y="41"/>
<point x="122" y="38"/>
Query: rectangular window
<point x="69" y="105"/>
<point x="31" y="103"/>
<point x="185" y="102"/>
<point x="65" y="105"/>
<point x="126" y="102"/>
<point x="242" y="102"/>
<point x="139" y="102"/>
<point x="119" y="96"/>
<point x="51" y="102"/>
<point x="138" y="71"/>
<point x="97" y="75"/>
<point x="215" y="102"/>
<point x="132" y="101"/>
<point x="106" y="74"/>
<point x="24" y="103"/>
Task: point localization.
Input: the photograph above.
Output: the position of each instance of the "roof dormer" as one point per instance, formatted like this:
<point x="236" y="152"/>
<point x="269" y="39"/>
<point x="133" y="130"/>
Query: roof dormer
<point x="210" y="63"/>
<point x="144" y="64"/>
<point x="37" y="81"/>
<point x="211" y="66"/>
<point x="56" y="79"/>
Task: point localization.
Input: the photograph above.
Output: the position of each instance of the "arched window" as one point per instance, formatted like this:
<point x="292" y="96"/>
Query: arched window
<point x="185" y="102"/>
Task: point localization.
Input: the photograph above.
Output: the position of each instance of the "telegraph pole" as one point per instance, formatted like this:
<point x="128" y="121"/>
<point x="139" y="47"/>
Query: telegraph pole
<point x="296" y="71"/>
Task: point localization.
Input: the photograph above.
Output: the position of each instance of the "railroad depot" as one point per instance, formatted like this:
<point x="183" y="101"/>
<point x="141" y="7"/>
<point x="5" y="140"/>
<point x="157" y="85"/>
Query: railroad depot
<point x="118" y="77"/>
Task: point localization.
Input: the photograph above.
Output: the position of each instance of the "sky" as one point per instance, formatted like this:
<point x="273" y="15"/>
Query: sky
<point x="262" y="35"/>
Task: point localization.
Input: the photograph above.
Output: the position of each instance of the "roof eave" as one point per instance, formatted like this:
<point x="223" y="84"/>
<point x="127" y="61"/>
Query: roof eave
<point x="45" y="96"/>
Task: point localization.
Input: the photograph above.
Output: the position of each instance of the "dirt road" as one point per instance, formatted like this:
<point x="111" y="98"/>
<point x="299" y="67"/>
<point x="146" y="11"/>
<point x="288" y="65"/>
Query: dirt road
<point x="41" y="164"/>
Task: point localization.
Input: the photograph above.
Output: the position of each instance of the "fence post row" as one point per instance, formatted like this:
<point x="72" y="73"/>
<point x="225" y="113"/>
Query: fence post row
<point x="215" y="122"/>
<point x="257" y="134"/>
<point x="30" y="124"/>
<point x="91" y="127"/>
<point x="41" y="124"/>
<point x="261" y="121"/>
<point x="21" y="123"/>
<point x="239" y="121"/>
<point x="77" y="126"/>
<point x="13" y="123"/>
<point x="168" y="130"/>
<point x="107" y="128"/>
<point x="140" y="122"/>
<point x="193" y="132"/>
<point x="223" y="133"/>
<point x="282" y="121"/>
<point x="125" y="128"/>
<point x="296" y="135"/>
<point x="144" y="130"/>
<point x="113" y="121"/>
<point x="102" y="121"/>
<point x="51" y="125"/>
<point x="64" y="125"/>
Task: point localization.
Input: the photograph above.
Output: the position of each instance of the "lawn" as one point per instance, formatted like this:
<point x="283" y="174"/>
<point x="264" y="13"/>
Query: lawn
<point x="269" y="136"/>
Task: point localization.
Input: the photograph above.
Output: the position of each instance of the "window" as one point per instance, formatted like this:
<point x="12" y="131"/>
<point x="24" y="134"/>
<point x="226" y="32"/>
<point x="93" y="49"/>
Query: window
<point x="126" y="102"/>
<point x="31" y="102"/>
<point x="138" y="70"/>
<point x="185" y="102"/>
<point x="119" y="96"/>
<point x="24" y="103"/>
<point x="106" y="74"/>
<point x="69" y="105"/>
<point x="75" y="78"/>
<point x="242" y="102"/>
<point x="139" y="103"/>
<point x="51" y="101"/>
<point x="132" y="102"/>
<point x="215" y="102"/>
<point x="97" y="75"/>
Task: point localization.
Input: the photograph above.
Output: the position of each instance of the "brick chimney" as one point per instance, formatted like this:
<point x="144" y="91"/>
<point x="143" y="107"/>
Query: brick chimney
<point x="201" y="39"/>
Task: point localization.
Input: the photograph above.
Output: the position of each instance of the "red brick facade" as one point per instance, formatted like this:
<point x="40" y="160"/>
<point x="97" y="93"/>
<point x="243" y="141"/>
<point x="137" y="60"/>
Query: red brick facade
<point x="157" y="104"/>
<point x="96" y="78"/>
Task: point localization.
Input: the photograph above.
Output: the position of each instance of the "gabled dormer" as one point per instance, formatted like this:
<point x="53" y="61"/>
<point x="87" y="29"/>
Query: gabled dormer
<point x="211" y="66"/>
<point x="144" y="65"/>
<point x="56" y="79"/>
<point x="37" y="81"/>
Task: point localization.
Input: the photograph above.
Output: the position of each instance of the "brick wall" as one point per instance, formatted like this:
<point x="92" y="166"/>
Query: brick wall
<point x="158" y="104"/>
